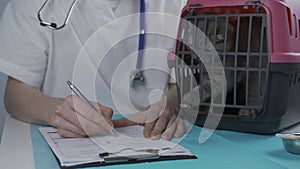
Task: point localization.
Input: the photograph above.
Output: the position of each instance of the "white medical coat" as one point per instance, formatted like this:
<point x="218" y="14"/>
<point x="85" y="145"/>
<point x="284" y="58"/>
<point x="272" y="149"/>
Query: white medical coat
<point x="97" y="49"/>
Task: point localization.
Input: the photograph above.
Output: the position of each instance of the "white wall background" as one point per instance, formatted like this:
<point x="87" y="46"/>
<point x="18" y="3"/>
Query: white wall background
<point x="3" y="79"/>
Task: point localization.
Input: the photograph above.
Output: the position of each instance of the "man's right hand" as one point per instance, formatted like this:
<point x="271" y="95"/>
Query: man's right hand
<point x="74" y="118"/>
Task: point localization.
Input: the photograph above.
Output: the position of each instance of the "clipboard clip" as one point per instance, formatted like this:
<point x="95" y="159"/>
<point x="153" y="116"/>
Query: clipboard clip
<point x="141" y="155"/>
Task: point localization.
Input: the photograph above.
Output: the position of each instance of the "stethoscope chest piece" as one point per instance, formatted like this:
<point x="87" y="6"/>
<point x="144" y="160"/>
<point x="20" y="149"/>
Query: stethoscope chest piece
<point x="137" y="78"/>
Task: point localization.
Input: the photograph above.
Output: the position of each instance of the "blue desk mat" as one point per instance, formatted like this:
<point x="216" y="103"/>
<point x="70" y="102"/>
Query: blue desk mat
<point x="225" y="149"/>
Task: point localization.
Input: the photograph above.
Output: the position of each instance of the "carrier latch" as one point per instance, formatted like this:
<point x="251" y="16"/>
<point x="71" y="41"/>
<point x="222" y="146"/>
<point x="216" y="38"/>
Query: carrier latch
<point x="191" y="8"/>
<point x="257" y="4"/>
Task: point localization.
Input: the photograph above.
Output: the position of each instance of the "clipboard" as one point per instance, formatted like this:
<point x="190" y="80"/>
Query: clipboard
<point x="64" y="148"/>
<point x="131" y="160"/>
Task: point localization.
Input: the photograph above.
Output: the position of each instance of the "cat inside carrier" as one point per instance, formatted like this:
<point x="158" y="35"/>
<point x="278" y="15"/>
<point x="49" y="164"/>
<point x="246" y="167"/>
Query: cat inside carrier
<point x="258" y="46"/>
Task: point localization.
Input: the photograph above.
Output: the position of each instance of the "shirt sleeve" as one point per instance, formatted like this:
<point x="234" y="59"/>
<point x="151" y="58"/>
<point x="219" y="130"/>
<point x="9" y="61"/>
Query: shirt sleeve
<point x="23" y="49"/>
<point x="172" y="78"/>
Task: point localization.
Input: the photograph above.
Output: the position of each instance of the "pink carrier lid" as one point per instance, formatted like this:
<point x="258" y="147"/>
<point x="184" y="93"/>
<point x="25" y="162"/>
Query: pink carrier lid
<point x="283" y="20"/>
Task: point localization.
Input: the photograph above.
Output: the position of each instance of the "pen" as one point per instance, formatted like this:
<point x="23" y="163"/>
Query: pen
<point x="81" y="95"/>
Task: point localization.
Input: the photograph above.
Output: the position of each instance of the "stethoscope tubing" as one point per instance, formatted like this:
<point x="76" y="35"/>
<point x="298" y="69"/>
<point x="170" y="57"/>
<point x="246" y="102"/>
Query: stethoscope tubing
<point x="137" y="75"/>
<point x="141" y="35"/>
<point x="53" y="25"/>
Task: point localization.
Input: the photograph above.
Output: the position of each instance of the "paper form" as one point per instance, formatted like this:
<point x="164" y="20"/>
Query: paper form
<point x="128" y="141"/>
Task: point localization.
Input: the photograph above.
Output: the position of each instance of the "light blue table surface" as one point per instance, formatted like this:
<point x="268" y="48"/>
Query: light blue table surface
<point x="225" y="149"/>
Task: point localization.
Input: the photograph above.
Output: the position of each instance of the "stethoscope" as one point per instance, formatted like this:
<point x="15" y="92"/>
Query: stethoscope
<point x="136" y="76"/>
<point x="53" y="25"/>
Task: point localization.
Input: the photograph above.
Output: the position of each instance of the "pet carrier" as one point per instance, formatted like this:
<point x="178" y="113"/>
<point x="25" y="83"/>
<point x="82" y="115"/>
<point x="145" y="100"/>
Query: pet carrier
<point x="258" y="44"/>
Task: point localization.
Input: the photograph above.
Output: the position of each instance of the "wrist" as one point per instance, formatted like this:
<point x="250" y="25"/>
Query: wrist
<point x="49" y="114"/>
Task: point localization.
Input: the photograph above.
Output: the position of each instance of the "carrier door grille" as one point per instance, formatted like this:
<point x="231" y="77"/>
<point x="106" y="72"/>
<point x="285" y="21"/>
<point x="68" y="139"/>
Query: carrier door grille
<point x="241" y="44"/>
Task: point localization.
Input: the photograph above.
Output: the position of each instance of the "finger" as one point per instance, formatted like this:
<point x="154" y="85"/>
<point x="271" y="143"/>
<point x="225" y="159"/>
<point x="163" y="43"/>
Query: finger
<point x="67" y="133"/>
<point x="161" y="124"/>
<point x="137" y="119"/>
<point x="107" y="114"/>
<point x="66" y="110"/>
<point x="87" y="116"/>
<point x="148" y="129"/>
<point x="124" y="122"/>
<point x="153" y="113"/>
<point x="94" y="129"/>
<point x="61" y="123"/>
<point x="151" y="117"/>
<point x="170" y="130"/>
<point x="180" y="129"/>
